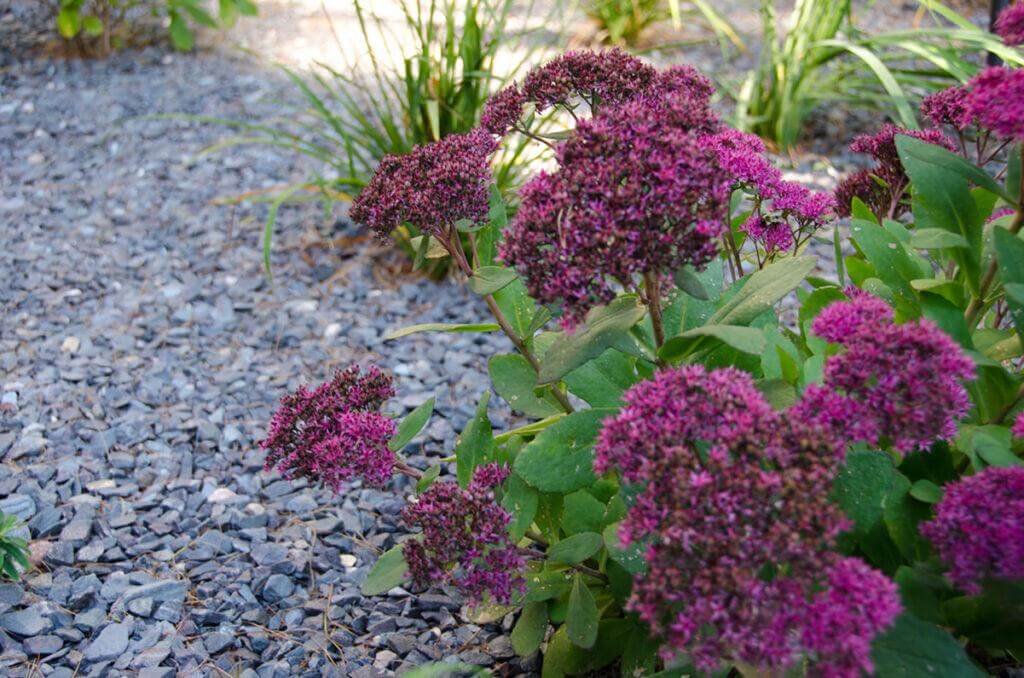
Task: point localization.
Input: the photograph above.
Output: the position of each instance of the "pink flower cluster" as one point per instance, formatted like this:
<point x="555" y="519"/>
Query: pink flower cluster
<point x="1018" y="426"/>
<point x="784" y="212"/>
<point x="432" y="187"/>
<point x="948" y="107"/>
<point x="1010" y="25"/>
<point x="636" y="191"/>
<point x="738" y="529"/>
<point x="996" y="101"/>
<point x="334" y="432"/>
<point x="642" y="187"/>
<point x="883" y="188"/>
<point x="464" y="539"/>
<point x="895" y="383"/>
<point x="978" y="529"/>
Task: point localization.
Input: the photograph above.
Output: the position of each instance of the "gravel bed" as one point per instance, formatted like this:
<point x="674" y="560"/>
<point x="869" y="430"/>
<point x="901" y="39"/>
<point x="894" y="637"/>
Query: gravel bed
<point x="142" y="350"/>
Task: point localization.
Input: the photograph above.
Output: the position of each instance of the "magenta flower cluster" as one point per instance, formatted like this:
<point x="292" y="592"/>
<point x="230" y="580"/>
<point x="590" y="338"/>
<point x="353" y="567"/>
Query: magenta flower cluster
<point x="737" y="528"/>
<point x="636" y="191"/>
<point x="895" y="383"/>
<point x="978" y="529"/>
<point x="334" y="433"/>
<point x="642" y="187"/>
<point x="432" y="187"/>
<point x="784" y="213"/>
<point x="996" y="101"/>
<point x="1010" y="25"/>
<point x="883" y="188"/>
<point x="948" y="107"/>
<point x="464" y="540"/>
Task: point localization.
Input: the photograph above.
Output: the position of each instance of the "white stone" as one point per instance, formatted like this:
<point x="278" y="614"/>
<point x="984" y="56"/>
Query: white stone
<point x="222" y="495"/>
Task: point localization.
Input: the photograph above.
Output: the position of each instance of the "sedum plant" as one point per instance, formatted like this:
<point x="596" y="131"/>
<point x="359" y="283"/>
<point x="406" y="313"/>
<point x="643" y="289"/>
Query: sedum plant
<point x="700" y="484"/>
<point x="106" y="21"/>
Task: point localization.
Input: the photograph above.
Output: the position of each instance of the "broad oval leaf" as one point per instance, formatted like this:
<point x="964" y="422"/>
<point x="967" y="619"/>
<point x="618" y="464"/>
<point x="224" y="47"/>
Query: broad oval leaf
<point x="387" y="573"/>
<point x="490" y="279"/>
<point x="581" y="617"/>
<point x="631" y="558"/>
<point x="530" y="629"/>
<point x="604" y="327"/>
<point x="911" y="648"/>
<point x="937" y="239"/>
<point x="575" y="549"/>
<point x="411" y="426"/>
<point x="515" y="380"/>
<point x="476" y="444"/>
<point x="561" y="458"/>
<point x="744" y="339"/>
<point x="762" y="290"/>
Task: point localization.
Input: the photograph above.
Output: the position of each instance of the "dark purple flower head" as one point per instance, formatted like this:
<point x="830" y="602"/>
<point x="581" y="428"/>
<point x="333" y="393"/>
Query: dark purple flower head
<point x="862" y="184"/>
<point x="503" y="110"/>
<point x="948" y="107"/>
<point x="996" y="101"/>
<point x="732" y="490"/>
<point x="899" y="382"/>
<point x="465" y="539"/>
<point x="1018" y="426"/>
<point x="978" y="529"/>
<point x="432" y="187"/>
<point x="682" y="81"/>
<point x="636" y="191"/>
<point x="882" y="144"/>
<point x="334" y="433"/>
<point x="1010" y="25"/>
<point x="887" y="197"/>
<point x="598" y="78"/>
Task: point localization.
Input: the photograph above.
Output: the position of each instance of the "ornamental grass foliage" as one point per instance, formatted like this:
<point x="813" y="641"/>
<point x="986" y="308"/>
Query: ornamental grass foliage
<point x="698" y="483"/>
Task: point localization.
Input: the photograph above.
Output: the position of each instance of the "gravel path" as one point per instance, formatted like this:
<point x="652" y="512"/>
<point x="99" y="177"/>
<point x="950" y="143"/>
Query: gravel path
<point x="141" y="352"/>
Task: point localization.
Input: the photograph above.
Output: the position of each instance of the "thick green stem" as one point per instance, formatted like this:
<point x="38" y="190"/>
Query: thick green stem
<point x="974" y="309"/>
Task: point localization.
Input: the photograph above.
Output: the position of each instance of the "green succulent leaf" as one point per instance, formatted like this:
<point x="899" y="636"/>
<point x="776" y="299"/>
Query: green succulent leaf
<point x="411" y="426"/>
<point x="912" y="648"/>
<point x="442" y="327"/>
<point x="516" y="381"/>
<point x="561" y="458"/>
<point x="530" y="628"/>
<point x="476" y="444"/>
<point x="574" y="549"/>
<point x="490" y="279"/>
<point x="604" y="327"/>
<point x="581" y="621"/>
<point x="762" y="290"/>
<point x="388" y="572"/>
